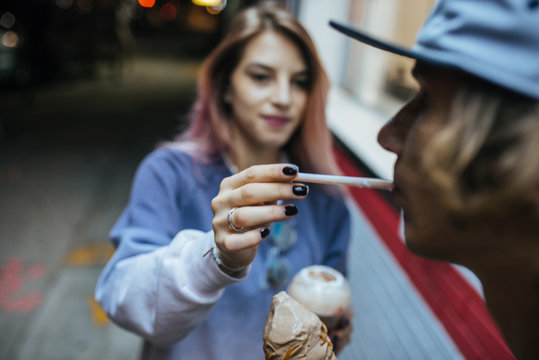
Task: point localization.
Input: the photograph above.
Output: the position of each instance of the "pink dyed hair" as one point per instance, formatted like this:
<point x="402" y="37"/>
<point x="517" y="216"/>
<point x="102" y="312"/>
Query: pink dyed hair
<point x="208" y="134"/>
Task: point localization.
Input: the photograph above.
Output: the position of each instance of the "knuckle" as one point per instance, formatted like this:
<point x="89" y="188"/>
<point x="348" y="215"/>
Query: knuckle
<point x="215" y="204"/>
<point x="277" y="172"/>
<point x="277" y="213"/>
<point x="284" y="191"/>
<point x="227" y="245"/>
<point x="225" y="183"/>
<point x="214" y="223"/>
<point x="253" y="238"/>
<point x="247" y="193"/>
<point x="250" y="173"/>
<point x="238" y="219"/>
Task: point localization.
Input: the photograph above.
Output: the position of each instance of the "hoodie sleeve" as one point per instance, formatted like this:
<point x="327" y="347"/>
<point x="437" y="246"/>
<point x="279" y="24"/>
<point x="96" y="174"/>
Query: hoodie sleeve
<point x="159" y="283"/>
<point x="165" y="292"/>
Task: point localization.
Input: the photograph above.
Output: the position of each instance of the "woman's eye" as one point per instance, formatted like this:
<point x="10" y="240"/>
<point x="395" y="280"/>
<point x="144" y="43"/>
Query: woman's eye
<point x="259" y="77"/>
<point x="302" y="83"/>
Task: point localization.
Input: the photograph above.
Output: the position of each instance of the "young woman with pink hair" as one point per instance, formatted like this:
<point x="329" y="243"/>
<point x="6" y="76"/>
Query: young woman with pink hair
<point x="215" y="226"/>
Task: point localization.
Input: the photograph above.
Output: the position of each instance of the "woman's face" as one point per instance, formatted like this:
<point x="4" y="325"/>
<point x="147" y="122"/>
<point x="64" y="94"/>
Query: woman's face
<point x="429" y="230"/>
<point x="268" y="92"/>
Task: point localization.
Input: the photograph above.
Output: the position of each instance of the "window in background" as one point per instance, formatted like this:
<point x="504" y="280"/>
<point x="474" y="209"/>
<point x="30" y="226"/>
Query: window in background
<point x="378" y="79"/>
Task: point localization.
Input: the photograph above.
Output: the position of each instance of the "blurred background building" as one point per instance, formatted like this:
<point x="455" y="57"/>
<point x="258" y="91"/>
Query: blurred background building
<point x="88" y="87"/>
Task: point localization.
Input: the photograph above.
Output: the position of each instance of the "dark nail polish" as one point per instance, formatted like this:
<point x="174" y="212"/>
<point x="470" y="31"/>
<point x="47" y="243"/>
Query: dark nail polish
<point x="335" y="341"/>
<point x="290" y="210"/>
<point x="300" y="190"/>
<point x="289" y="170"/>
<point x="264" y="232"/>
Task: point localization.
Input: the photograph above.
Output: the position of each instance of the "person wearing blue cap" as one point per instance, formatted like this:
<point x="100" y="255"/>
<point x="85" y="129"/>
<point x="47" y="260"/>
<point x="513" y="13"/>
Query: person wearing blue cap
<point x="467" y="146"/>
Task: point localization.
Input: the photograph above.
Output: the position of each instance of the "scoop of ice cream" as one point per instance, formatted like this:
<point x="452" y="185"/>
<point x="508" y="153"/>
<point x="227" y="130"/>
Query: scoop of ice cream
<point x="322" y="289"/>
<point x="294" y="332"/>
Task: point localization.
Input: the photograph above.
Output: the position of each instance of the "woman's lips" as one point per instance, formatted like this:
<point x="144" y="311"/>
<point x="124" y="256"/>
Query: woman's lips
<point x="276" y="120"/>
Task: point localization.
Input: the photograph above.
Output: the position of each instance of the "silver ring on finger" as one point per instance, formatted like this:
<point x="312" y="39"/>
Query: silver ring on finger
<point x="229" y="220"/>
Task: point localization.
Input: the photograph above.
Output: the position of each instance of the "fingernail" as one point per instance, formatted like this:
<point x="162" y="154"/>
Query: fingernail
<point x="290" y="170"/>
<point x="290" y="210"/>
<point x="335" y="341"/>
<point x="300" y="190"/>
<point x="264" y="232"/>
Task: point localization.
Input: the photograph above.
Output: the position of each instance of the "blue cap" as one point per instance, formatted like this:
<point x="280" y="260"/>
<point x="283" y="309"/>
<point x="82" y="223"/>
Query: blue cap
<point x="496" y="40"/>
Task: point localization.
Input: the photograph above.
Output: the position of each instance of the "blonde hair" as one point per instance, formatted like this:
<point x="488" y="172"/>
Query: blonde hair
<point x="487" y="156"/>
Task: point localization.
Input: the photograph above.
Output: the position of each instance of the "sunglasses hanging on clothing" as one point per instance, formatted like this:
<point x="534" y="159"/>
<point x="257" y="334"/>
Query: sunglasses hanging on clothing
<point x="282" y="236"/>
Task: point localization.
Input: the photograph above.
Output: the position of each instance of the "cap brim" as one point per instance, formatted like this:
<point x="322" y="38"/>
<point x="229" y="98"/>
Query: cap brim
<point x="386" y="46"/>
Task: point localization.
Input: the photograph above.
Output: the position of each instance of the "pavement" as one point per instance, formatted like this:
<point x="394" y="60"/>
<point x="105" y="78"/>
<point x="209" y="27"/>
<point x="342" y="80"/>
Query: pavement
<point x="68" y="152"/>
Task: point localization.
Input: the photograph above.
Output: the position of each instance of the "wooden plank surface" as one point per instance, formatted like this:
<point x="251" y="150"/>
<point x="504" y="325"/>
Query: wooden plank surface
<point x="391" y="321"/>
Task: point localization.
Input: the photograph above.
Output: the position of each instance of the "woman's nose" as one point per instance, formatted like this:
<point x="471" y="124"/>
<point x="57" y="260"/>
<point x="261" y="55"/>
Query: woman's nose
<point x="282" y="93"/>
